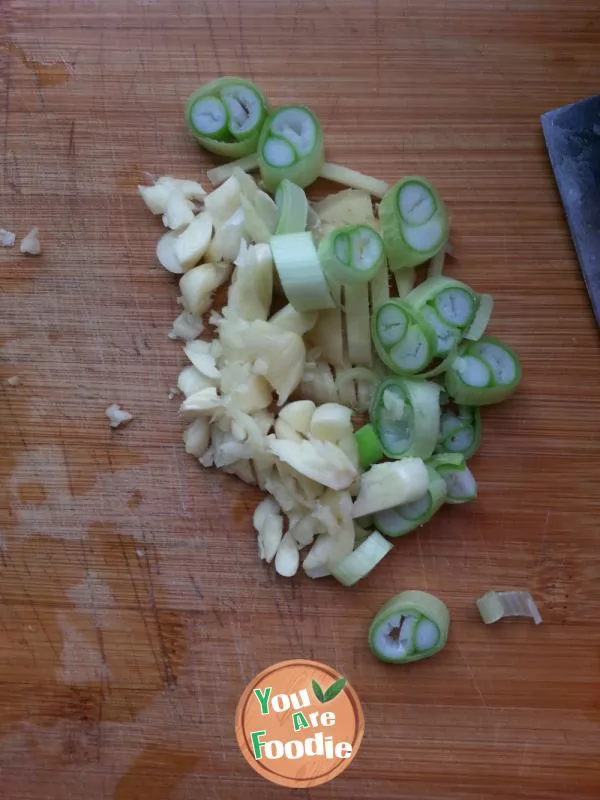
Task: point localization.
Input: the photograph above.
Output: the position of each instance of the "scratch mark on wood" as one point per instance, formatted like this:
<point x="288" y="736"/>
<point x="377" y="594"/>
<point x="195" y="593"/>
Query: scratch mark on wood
<point x="71" y="150"/>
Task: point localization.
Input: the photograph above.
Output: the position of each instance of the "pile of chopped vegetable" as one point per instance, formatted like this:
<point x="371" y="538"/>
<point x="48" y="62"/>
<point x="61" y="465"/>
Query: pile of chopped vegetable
<point x="323" y="324"/>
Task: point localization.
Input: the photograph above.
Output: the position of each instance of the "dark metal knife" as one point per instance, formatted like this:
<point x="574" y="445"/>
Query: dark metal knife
<point x="572" y="136"/>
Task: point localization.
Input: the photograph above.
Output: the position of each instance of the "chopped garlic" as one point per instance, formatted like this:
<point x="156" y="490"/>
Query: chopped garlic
<point x="224" y="201"/>
<point x="191" y="381"/>
<point x="187" y="327"/>
<point x="202" y="401"/>
<point x="30" y="245"/>
<point x="197" y="287"/>
<point x="331" y="422"/>
<point x="298" y="415"/>
<point x="287" y="559"/>
<point x="14" y="380"/>
<point x="268" y="524"/>
<point x="165" y="253"/>
<point x="323" y="462"/>
<point x="251" y="290"/>
<point x="228" y="238"/>
<point x="117" y="416"/>
<point x="391" y="484"/>
<point x="283" y="430"/>
<point x="7" y="238"/>
<point x="196" y="437"/>
<point x="204" y="362"/>
<point x="191" y="245"/>
<point x="179" y="211"/>
<point x="289" y="319"/>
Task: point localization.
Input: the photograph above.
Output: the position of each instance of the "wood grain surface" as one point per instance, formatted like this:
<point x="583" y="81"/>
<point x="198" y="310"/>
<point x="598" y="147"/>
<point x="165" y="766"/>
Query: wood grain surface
<point x="133" y="608"/>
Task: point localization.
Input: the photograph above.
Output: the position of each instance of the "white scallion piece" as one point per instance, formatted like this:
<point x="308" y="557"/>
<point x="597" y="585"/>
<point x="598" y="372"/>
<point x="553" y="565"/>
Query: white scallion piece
<point x="493" y="606"/>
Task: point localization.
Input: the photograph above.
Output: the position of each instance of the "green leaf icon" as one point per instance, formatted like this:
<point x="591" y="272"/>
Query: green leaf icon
<point x="318" y="691"/>
<point x="334" y="690"/>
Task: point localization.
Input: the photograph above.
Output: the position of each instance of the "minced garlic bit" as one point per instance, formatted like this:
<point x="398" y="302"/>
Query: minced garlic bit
<point x="30" y="245"/>
<point x="7" y="238"/>
<point x="14" y="380"/>
<point x="117" y="416"/>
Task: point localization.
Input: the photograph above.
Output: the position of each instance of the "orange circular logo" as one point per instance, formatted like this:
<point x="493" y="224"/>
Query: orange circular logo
<point x="299" y="723"/>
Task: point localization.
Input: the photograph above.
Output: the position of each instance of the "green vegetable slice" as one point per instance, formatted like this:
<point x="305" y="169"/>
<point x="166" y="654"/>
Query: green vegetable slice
<point x="414" y="222"/>
<point x="360" y="562"/>
<point x="356" y="180"/>
<point x="496" y="605"/>
<point x="292" y="206"/>
<point x="302" y="279"/>
<point x="369" y="446"/>
<point x="405" y="414"/>
<point x="291" y="145"/>
<point x="409" y="627"/>
<point x="482" y="318"/>
<point x="450" y="307"/>
<point x="352" y="255"/>
<point x="461" y="486"/>
<point x="403" y="339"/>
<point x="405" y="518"/>
<point x="484" y="372"/>
<point x="460" y="432"/>
<point x="226" y="116"/>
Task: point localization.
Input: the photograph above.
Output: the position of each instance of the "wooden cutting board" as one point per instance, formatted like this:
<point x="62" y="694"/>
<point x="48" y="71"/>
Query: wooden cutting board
<point x="133" y="607"/>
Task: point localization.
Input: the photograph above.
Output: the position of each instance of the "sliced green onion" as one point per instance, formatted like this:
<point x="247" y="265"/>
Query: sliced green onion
<point x="292" y="206"/>
<point x="358" y="325"/>
<point x="482" y="318"/>
<point x="460" y="433"/>
<point x="495" y="605"/>
<point x="390" y="484"/>
<point x="356" y="180"/>
<point x="484" y="372"/>
<point x="351" y="255"/>
<point x="360" y="562"/>
<point x="436" y="265"/>
<point x="449" y="306"/>
<point x="406" y="416"/>
<point x="365" y="381"/>
<point x="461" y="486"/>
<point x="226" y="116"/>
<point x="405" y="518"/>
<point x="403" y="339"/>
<point x="409" y="627"/>
<point x="291" y="146"/>
<point x="405" y="280"/>
<point x="369" y="446"/>
<point x="414" y="222"/>
<point x="300" y="273"/>
<point x="219" y="174"/>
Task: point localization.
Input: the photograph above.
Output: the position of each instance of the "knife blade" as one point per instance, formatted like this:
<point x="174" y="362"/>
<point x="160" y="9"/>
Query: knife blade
<point x="572" y="135"/>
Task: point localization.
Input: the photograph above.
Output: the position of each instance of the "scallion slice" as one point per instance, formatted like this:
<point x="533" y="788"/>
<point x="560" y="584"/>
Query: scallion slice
<point x="356" y="180"/>
<point x="403" y="339"/>
<point x="449" y="306"/>
<point x="405" y="518"/>
<point x="409" y="627"/>
<point x="406" y="417"/>
<point x="300" y="272"/>
<point x="352" y="255"/>
<point x="484" y="372"/>
<point x="226" y="116"/>
<point x="495" y="605"/>
<point x="414" y="222"/>
<point x="292" y="206"/>
<point x="291" y="145"/>
<point x="360" y="562"/>
<point x="460" y="432"/>
<point x="461" y="486"/>
<point x="369" y="446"/>
<point x="482" y="318"/>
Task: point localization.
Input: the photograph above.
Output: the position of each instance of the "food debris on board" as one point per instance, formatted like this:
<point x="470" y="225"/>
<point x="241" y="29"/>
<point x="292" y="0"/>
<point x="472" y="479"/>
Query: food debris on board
<point x="30" y="244"/>
<point x="117" y="416"/>
<point x="313" y="333"/>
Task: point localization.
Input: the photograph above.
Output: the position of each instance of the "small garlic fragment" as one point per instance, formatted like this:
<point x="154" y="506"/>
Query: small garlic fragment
<point x="14" y="380"/>
<point x="191" y="245"/>
<point x="7" y="238"/>
<point x="179" y="211"/>
<point x="165" y="253"/>
<point x="186" y="327"/>
<point x="30" y="245"/>
<point x="117" y="416"/>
